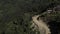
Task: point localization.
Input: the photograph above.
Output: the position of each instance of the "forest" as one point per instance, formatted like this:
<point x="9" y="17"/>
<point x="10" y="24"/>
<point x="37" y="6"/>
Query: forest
<point x="16" y="15"/>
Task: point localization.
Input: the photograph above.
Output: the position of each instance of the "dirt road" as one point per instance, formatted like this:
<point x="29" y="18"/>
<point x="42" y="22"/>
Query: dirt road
<point x="43" y="28"/>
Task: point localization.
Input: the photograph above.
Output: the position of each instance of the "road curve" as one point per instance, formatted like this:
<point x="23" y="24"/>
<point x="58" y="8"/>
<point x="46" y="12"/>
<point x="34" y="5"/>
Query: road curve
<point x="43" y="28"/>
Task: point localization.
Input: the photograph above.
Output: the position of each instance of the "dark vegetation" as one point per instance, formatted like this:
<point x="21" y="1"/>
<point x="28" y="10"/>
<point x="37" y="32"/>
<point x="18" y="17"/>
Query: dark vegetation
<point x="15" y="15"/>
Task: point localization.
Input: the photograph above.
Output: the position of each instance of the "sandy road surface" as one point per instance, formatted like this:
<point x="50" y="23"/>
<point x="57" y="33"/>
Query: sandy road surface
<point x="43" y="28"/>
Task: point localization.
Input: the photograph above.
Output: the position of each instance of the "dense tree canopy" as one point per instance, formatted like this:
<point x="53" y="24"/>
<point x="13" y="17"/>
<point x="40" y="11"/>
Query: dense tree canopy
<point x="15" y="15"/>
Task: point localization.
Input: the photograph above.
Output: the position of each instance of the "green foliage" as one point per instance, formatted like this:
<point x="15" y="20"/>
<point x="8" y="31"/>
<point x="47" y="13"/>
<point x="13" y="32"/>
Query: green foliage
<point x="15" y="15"/>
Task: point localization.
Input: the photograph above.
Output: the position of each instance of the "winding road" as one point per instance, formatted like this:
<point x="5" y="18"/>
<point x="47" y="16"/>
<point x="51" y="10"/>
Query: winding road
<point x="43" y="28"/>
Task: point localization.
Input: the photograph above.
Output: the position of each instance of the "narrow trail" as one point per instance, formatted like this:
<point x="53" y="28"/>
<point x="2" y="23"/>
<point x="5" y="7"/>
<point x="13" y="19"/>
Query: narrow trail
<point x="43" y="28"/>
